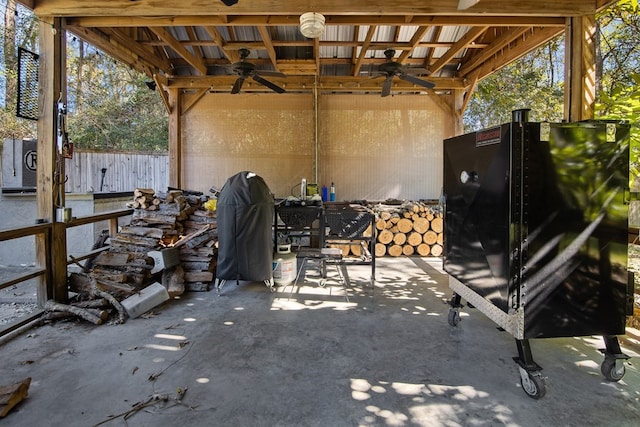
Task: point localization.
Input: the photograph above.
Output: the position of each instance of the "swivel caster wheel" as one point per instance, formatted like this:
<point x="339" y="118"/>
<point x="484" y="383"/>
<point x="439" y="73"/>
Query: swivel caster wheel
<point x="613" y="369"/>
<point x="533" y="384"/>
<point x="454" y="317"/>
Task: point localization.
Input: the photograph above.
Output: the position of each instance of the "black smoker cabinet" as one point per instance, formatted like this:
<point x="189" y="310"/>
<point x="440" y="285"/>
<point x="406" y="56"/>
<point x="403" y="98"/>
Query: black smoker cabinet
<point x="536" y="233"/>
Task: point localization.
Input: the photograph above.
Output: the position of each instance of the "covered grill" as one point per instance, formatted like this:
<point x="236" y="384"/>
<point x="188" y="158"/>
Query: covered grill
<point x="536" y="233"/>
<point x="245" y="214"/>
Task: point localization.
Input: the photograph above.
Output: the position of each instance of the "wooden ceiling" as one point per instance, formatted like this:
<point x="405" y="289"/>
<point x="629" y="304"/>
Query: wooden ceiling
<point x="187" y="43"/>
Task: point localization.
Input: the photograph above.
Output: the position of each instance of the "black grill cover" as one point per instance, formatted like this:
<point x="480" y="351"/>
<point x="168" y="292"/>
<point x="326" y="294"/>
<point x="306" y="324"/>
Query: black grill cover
<point x="245" y="215"/>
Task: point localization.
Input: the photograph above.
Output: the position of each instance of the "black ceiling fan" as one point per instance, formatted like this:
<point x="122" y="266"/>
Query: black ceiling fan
<point x="392" y="69"/>
<point x="246" y="69"/>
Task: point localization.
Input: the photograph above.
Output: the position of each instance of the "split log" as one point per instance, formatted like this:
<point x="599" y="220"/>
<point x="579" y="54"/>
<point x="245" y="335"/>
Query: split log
<point x="197" y="286"/>
<point x="92" y="303"/>
<point x="355" y="248"/>
<point x="436" y="224"/>
<point x="436" y="250"/>
<point x="405" y="225"/>
<point x="122" y="314"/>
<point x="430" y="237"/>
<point x="174" y="280"/>
<point x="394" y="250"/>
<point x="138" y="192"/>
<point x="196" y="266"/>
<point x="400" y="239"/>
<point x="414" y="239"/>
<point x="155" y="233"/>
<point x="13" y="394"/>
<point x="345" y="248"/>
<point x="420" y="225"/>
<point x="198" y="276"/>
<point x="385" y="237"/>
<point x="380" y="250"/>
<point x="51" y="305"/>
<point x="385" y="216"/>
<point x="423" y="249"/>
<point x="407" y="250"/>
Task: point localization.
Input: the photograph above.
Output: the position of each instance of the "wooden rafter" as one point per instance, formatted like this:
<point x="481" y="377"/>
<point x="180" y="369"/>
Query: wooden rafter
<point x="266" y="38"/>
<point x="415" y="40"/>
<point x="218" y="40"/>
<point x="469" y="37"/>
<point x="193" y="60"/>
<point x="364" y="49"/>
<point x="499" y="43"/>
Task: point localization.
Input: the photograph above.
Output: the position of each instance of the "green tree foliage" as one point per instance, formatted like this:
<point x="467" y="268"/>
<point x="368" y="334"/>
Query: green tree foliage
<point x="530" y="82"/>
<point x="18" y="30"/>
<point x="619" y="96"/>
<point x="110" y="106"/>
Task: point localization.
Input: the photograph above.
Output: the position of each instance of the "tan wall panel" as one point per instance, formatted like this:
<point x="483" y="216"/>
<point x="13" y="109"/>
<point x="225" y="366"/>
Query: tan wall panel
<point x="371" y="147"/>
<point x="271" y="135"/>
<point x="376" y="148"/>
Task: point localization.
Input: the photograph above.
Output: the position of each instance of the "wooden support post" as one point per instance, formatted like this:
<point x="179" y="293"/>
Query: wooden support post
<point x="580" y="68"/>
<point x="175" y="139"/>
<point x="51" y="248"/>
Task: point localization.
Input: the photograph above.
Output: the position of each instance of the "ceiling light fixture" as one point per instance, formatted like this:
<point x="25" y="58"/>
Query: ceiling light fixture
<point x="466" y="4"/>
<point x="312" y="25"/>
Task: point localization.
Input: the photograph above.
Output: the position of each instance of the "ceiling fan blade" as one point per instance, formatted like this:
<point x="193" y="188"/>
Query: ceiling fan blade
<point x="417" y="81"/>
<point x="271" y="73"/>
<point x="416" y="70"/>
<point x="267" y="83"/>
<point x="238" y="85"/>
<point x="386" y="86"/>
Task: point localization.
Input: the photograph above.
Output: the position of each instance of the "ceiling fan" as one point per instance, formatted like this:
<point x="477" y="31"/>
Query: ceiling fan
<point x="392" y="69"/>
<point x="246" y="69"/>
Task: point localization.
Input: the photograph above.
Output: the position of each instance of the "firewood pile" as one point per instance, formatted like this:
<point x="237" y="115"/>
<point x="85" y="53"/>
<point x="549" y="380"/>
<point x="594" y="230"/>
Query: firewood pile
<point x="409" y="228"/>
<point x="160" y="221"/>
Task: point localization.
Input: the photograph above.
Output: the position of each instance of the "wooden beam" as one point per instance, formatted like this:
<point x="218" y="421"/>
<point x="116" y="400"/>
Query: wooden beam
<point x="304" y="83"/>
<point x="190" y="101"/>
<point x="195" y="61"/>
<point x="499" y="43"/>
<point x="175" y="139"/>
<point x="126" y="43"/>
<point x="415" y="40"/>
<point x="580" y="69"/>
<point x="469" y="37"/>
<point x="231" y="54"/>
<point x="536" y="37"/>
<point x="115" y="50"/>
<point x="51" y="248"/>
<point x="364" y="49"/>
<point x="152" y="8"/>
<point x="266" y="39"/>
<point x="122" y="20"/>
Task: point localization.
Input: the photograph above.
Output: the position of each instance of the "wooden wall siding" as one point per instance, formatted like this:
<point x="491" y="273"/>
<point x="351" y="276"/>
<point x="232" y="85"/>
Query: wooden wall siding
<point x="376" y="148"/>
<point x="271" y="135"/>
<point x="125" y="171"/>
<point x="372" y="148"/>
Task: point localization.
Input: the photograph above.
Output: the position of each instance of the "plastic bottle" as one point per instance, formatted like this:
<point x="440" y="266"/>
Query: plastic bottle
<point x="325" y="193"/>
<point x="303" y="188"/>
<point x="332" y="192"/>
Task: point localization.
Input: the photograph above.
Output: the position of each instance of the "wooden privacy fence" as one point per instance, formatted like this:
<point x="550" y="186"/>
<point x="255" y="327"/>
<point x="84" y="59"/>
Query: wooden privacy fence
<point x="101" y="171"/>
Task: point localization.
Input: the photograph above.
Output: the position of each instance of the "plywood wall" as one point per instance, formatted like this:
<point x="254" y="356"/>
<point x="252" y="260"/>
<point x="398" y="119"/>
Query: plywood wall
<point x="372" y="148"/>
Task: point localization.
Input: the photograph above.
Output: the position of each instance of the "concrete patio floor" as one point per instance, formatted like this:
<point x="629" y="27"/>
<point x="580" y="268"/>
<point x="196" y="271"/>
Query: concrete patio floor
<point x="388" y="357"/>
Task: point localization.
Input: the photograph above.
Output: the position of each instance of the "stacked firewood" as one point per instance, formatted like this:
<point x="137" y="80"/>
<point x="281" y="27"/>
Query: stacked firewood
<point x="144" y="198"/>
<point x="173" y="219"/>
<point x="408" y="228"/>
